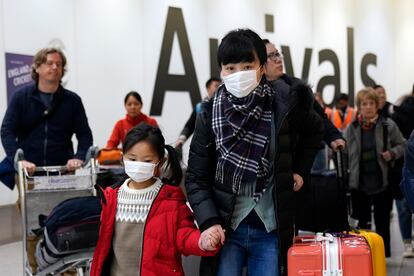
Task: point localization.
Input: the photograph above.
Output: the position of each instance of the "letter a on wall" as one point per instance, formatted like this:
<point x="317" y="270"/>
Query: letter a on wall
<point x="171" y="82"/>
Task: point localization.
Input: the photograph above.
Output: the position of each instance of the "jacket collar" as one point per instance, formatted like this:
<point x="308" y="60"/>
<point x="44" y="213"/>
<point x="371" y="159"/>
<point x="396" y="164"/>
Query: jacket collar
<point x="135" y="120"/>
<point x="167" y="191"/>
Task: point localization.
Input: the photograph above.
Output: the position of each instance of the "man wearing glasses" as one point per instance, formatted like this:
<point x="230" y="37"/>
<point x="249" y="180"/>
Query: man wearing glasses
<point x="42" y="118"/>
<point x="282" y="82"/>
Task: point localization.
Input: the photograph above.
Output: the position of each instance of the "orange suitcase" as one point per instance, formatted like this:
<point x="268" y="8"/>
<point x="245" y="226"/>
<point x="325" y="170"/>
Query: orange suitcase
<point x="325" y="254"/>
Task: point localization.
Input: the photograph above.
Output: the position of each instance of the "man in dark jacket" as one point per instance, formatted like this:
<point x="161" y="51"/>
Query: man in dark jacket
<point x="249" y="154"/>
<point x="42" y="118"/>
<point x="385" y="107"/>
<point x="274" y="73"/>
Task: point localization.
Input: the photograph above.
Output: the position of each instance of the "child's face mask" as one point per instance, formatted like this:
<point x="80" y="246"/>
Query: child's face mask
<point x="139" y="171"/>
<point x="242" y="83"/>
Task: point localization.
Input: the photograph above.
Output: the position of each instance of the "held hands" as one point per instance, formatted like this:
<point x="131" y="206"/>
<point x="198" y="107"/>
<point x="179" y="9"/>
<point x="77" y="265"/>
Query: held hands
<point x="74" y="164"/>
<point x="297" y="182"/>
<point x="211" y="238"/>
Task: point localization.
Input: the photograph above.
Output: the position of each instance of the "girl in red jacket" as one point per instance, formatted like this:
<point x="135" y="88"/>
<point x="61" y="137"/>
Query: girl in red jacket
<point x="145" y="224"/>
<point x="134" y="116"/>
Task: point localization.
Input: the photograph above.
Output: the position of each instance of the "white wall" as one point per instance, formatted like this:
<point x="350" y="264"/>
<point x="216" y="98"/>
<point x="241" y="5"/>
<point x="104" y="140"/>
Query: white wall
<point x="6" y="196"/>
<point x="3" y="96"/>
<point x="114" y="46"/>
<point x="403" y="72"/>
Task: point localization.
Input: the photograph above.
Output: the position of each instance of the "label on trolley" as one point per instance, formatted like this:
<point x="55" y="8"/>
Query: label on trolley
<point x="62" y="182"/>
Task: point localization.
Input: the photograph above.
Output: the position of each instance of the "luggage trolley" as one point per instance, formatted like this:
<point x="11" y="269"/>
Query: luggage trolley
<point x="39" y="194"/>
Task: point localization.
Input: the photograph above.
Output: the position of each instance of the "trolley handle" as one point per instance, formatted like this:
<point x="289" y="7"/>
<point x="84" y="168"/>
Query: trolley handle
<point x="18" y="156"/>
<point x="52" y="169"/>
<point x="56" y="170"/>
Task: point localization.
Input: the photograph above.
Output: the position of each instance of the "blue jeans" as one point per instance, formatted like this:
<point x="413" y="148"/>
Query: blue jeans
<point x="251" y="247"/>
<point x="404" y="219"/>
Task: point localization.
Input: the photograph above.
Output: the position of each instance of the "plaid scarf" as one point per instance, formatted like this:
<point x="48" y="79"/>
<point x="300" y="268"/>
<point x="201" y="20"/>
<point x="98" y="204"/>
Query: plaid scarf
<point x="242" y="135"/>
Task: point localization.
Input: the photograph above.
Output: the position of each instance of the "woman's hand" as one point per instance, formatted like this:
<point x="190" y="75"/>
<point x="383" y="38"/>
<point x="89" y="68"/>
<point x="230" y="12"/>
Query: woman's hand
<point x="297" y="182"/>
<point x="387" y="155"/>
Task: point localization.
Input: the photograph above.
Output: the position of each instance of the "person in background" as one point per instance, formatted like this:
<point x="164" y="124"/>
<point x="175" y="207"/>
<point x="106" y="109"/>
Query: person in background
<point x="42" y="118"/>
<point x="407" y="183"/>
<point x="145" y="223"/>
<point x="385" y="107"/>
<point x="403" y="116"/>
<point x="342" y="114"/>
<point x="282" y="83"/>
<point x="369" y="158"/>
<point x="134" y="116"/>
<point x="246" y="161"/>
<point x="211" y="85"/>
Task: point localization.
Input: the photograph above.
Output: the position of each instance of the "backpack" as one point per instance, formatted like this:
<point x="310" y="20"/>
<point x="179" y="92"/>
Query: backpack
<point x="71" y="227"/>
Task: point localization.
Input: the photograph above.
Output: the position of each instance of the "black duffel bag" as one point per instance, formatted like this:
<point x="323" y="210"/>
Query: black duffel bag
<point x="71" y="227"/>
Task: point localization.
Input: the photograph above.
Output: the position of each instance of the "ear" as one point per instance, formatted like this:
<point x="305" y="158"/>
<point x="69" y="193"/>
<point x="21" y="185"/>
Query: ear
<point x="263" y="69"/>
<point x="162" y="161"/>
<point x="261" y="72"/>
<point x="157" y="170"/>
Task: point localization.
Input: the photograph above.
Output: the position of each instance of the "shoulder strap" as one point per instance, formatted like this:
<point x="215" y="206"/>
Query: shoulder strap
<point x="385" y="135"/>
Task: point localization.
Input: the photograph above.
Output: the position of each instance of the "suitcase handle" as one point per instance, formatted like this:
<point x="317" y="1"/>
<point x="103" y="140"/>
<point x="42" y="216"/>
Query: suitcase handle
<point x="305" y="239"/>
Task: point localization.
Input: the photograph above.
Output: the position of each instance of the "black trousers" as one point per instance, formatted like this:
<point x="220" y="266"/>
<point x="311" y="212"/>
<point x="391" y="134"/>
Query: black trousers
<point x="361" y="210"/>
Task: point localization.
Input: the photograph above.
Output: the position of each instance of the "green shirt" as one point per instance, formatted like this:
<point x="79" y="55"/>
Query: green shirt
<point x="264" y="208"/>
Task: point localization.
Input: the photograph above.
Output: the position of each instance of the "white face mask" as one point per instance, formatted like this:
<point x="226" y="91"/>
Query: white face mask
<point x="242" y="83"/>
<point x="139" y="171"/>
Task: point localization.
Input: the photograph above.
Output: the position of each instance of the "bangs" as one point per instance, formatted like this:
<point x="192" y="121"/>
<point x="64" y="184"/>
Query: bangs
<point x="235" y="53"/>
<point x="236" y="50"/>
<point x="242" y="45"/>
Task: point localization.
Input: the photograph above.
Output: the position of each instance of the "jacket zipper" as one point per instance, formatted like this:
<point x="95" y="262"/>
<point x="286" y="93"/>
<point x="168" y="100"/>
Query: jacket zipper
<point x="45" y="144"/>
<point x="282" y="268"/>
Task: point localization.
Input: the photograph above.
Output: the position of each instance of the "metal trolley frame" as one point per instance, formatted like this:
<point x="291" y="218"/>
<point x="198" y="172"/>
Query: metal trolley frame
<point x="39" y="194"/>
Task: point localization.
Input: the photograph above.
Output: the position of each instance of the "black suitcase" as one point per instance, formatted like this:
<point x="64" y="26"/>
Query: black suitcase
<point x="322" y="203"/>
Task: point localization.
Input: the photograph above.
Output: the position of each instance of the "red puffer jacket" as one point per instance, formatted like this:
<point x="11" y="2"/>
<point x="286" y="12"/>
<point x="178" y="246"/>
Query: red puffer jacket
<point x="169" y="233"/>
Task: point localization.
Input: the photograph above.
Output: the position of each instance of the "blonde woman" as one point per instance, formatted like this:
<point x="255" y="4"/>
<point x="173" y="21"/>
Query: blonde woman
<point x="369" y="156"/>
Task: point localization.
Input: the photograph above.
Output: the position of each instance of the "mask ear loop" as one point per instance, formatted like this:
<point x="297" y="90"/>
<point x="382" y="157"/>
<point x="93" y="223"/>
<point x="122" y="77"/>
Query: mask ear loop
<point x="159" y="167"/>
<point x="163" y="168"/>
<point x="121" y="161"/>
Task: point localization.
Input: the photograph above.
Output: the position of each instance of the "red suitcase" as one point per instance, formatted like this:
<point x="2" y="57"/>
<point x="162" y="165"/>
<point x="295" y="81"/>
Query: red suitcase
<point x="325" y="254"/>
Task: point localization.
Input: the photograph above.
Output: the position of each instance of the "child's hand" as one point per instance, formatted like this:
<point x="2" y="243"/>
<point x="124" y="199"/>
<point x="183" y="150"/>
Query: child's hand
<point x="210" y="238"/>
<point x="208" y="243"/>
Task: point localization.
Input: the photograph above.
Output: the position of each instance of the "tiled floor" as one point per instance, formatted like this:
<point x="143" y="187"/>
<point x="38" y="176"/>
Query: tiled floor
<point x="11" y="253"/>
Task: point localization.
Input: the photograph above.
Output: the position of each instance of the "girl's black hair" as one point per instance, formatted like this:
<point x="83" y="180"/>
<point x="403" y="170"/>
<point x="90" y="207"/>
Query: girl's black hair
<point x="153" y="136"/>
<point x="239" y="46"/>
<point x="133" y="94"/>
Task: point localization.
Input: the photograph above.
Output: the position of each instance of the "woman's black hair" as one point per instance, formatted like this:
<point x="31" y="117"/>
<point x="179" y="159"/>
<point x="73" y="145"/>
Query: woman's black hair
<point x="153" y="136"/>
<point x="133" y="94"/>
<point x="239" y="46"/>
